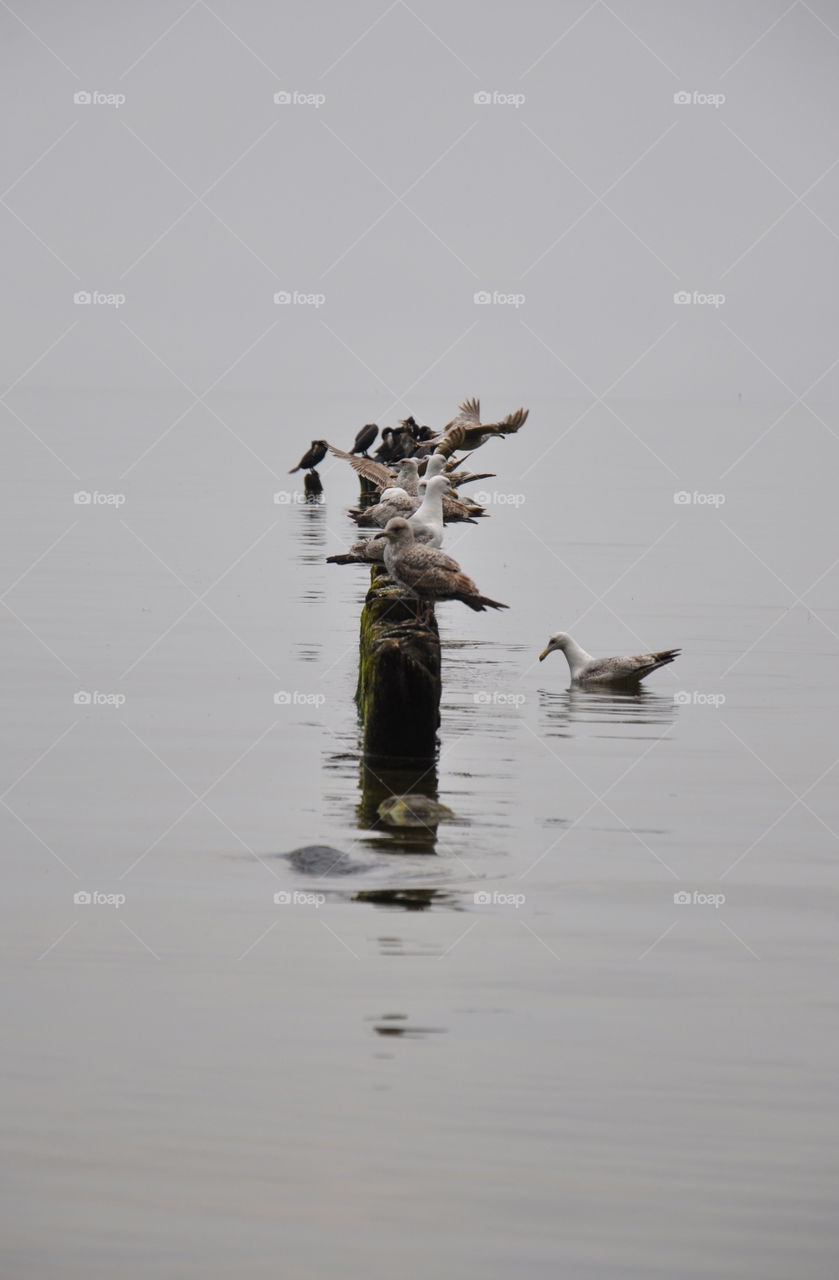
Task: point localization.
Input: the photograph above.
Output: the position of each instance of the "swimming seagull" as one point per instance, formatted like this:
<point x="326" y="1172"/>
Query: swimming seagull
<point x="365" y="438"/>
<point x="588" y="670"/>
<point x="311" y="457"/>
<point x="429" y="574"/>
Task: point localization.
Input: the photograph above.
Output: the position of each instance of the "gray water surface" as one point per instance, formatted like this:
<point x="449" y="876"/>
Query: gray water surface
<point x="499" y="1044"/>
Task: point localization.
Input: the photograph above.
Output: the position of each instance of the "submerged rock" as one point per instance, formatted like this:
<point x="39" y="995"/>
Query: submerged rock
<point x="323" y="860"/>
<point x="414" y="810"/>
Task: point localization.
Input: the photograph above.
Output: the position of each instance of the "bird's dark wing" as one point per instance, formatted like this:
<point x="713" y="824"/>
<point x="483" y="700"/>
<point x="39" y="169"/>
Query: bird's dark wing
<point x="512" y="422"/>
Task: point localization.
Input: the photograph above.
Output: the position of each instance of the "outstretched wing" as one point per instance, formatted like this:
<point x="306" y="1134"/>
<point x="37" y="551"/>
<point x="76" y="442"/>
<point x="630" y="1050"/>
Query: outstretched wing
<point x="469" y="415"/>
<point x="511" y="423"/>
<point x="376" y="472"/>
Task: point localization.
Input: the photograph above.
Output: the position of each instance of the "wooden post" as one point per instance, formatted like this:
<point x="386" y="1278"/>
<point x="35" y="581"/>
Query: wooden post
<point x="399" y="684"/>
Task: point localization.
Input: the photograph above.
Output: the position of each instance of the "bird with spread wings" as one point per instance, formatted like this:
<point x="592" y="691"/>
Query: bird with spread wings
<point x="466" y="431"/>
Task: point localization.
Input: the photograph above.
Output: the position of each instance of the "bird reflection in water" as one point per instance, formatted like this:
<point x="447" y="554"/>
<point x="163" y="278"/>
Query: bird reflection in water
<point x="607" y="707"/>
<point x="310" y="535"/>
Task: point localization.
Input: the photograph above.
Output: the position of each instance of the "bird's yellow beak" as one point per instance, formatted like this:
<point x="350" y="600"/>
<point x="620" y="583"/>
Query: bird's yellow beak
<point x="543" y="655"/>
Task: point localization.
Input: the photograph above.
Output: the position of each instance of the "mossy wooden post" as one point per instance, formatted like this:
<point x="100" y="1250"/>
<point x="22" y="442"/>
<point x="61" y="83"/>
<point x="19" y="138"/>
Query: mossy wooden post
<point x="399" y="686"/>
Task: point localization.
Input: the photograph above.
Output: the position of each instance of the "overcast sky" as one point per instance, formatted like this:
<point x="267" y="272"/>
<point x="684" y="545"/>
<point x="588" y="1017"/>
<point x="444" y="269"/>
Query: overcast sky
<point x="581" y="198"/>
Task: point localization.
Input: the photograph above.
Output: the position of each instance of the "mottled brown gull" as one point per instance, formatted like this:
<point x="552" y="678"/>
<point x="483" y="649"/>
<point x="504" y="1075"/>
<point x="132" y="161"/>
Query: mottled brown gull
<point x="426" y="522"/>
<point x="427" y="573"/>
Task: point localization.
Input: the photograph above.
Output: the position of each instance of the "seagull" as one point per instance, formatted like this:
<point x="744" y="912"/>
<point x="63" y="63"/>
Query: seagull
<point x="588" y="670"/>
<point x="429" y="574"/>
<point x="365" y="438"/>
<point x="311" y="457"/>
<point x="385" y="477"/>
<point x="427" y="521"/>
<point x="407" y="479"/>
<point x="466" y="431"/>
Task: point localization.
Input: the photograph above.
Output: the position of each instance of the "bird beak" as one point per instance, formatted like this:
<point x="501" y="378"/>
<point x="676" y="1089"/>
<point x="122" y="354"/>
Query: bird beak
<point x="543" y="655"/>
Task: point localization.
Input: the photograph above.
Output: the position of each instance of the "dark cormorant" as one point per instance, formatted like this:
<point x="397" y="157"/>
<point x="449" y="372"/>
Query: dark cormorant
<point x="365" y="438"/>
<point x="311" y="457"/>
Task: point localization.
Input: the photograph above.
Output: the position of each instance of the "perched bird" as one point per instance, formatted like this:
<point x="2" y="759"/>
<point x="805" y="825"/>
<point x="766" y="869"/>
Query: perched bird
<point x="404" y="444"/>
<point x="311" y="457"/>
<point x="427" y="520"/>
<point x="366" y="551"/>
<point x="399" y="503"/>
<point x="365" y="438"/>
<point x="403" y="476"/>
<point x="419" y="433"/>
<point x="429" y="574"/>
<point x="588" y="670"/>
<point x="378" y="473"/>
<point x="385" y="445"/>
<point x="407" y="479"/>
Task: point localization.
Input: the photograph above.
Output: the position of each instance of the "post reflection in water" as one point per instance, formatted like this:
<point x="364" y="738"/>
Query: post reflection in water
<point x="382" y="780"/>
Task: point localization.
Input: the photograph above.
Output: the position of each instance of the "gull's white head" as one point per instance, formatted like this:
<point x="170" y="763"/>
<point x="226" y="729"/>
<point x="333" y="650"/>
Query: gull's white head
<point x="558" y="641"/>
<point x="435" y="464"/>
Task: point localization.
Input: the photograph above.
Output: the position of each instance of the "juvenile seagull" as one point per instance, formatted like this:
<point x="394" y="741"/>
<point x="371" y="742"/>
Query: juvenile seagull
<point x="429" y="574"/>
<point x="407" y="479"/>
<point x="365" y="438"/>
<point x="426" y="522"/>
<point x="466" y="431"/>
<point x="588" y="670"/>
<point x="399" y="503"/>
<point x="383" y="476"/>
<point x="311" y="457"/>
<point x="378" y="473"/>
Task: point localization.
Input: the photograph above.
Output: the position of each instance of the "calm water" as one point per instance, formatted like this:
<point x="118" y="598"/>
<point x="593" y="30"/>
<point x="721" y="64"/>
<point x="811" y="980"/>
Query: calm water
<point x="504" y="1049"/>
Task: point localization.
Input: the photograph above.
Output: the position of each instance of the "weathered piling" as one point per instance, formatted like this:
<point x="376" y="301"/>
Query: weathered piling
<point x="399" y="684"/>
